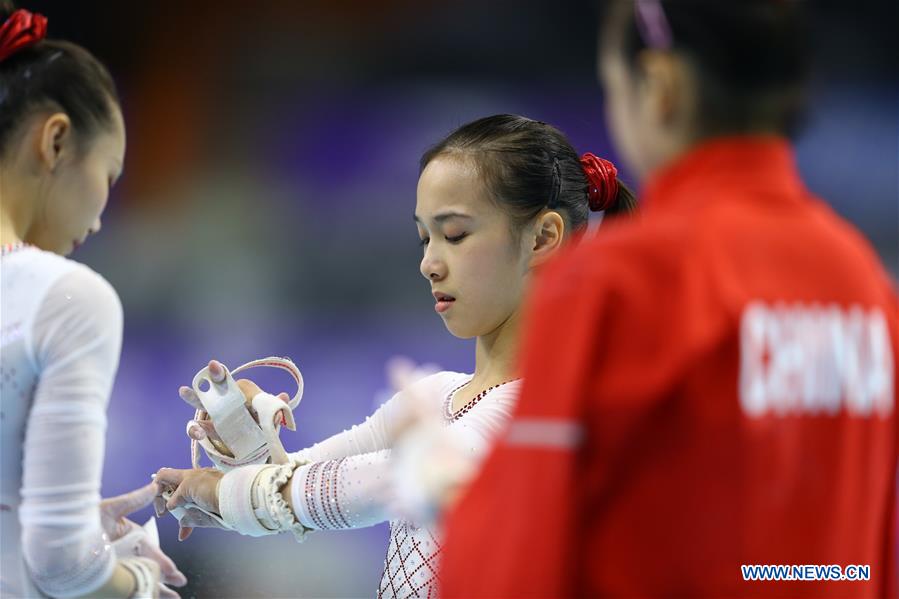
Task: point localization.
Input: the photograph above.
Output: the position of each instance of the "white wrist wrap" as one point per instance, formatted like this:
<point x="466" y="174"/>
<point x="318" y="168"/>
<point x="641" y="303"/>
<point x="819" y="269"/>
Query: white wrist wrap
<point x="252" y="504"/>
<point x="236" y="496"/>
<point x="145" y="578"/>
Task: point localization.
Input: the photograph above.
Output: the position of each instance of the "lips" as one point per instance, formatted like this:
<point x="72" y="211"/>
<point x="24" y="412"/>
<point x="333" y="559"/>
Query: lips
<point x="444" y="301"/>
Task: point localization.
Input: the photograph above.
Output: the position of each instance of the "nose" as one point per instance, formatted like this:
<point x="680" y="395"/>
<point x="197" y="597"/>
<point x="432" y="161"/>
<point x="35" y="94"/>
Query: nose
<point x="431" y="267"/>
<point x="95" y="228"/>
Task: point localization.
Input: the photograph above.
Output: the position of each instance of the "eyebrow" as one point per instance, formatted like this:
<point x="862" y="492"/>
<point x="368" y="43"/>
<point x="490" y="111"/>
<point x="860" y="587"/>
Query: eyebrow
<point x="444" y="216"/>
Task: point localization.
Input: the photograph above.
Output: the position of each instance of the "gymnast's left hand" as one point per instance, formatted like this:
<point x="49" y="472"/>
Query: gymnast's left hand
<point x="129" y="537"/>
<point x="193" y="486"/>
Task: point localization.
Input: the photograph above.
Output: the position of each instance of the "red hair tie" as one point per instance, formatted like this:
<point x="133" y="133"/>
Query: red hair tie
<point x="21" y="29"/>
<point x="602" y="178"/>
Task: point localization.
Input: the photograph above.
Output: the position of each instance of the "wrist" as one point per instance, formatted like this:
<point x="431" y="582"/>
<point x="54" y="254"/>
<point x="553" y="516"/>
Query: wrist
<point x="144" y="576"/>
<point x="235" y="493"/>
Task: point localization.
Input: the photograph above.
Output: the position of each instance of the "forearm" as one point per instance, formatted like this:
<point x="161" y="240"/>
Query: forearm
<point x="77" y="336"/>
<point x="353" y="492"/>
<point x="369" y="436"/>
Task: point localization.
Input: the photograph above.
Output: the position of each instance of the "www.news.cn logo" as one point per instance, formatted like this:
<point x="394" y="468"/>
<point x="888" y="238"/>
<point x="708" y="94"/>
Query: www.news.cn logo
<point x="805" y="572"/>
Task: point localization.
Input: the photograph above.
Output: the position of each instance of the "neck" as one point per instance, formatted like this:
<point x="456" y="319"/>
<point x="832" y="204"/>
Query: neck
<point x="7" y="231"/>
<point x="496" y="354"/>
<point x="665" y="151"/>
<point x="668" y="151"/>
<point x="12" y="221"/>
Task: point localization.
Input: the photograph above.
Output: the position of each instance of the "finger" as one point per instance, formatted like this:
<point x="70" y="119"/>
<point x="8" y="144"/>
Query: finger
<point x="198" y="488"/>
<point x="184" y="532"/>
<point x="282" y="417"/>
<point x="284" y="397"/>
<point x="170" y="477"/>
<point x="399" y="363"/>
<point x="159" y="506"/>
<point x="178" y="498"/>
<point x="119" y="527"/>
<point x="169" y="572"/>
<point x="209" y="432"/>
<point x="216" y="371"/>
<point x="123" y="505"/>
<point x="188" y="395"/>
<point x="167" y="593"/>
<point x="195" y="431"/>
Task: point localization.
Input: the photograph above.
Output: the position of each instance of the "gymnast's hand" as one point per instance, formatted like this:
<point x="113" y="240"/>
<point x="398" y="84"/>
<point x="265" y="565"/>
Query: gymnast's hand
<point x="203" y="429"/>
<point x="130" y="538"/>
<point x="430" y="466"/>
<point x="196" y="486"/>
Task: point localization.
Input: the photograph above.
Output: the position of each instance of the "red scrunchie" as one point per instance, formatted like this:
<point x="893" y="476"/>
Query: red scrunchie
<point x="602" y="178"/>
<point x="21" y="29"/>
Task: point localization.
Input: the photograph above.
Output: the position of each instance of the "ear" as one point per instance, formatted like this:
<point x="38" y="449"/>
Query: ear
<point x="549" y="232"/>
<point x="664" y="85"/>
<point x="56" y="140"/>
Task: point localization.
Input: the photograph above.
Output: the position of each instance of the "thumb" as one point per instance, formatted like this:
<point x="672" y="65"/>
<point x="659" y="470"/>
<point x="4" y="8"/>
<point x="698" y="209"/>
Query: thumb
<point x="184" y="532"/>
<point x="122" y="505"/>
<point x="217" y="371"/>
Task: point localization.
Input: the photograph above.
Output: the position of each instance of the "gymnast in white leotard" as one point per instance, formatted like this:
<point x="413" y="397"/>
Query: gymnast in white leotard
<point x="62" y="142"/>
<point x="496" y="198"/>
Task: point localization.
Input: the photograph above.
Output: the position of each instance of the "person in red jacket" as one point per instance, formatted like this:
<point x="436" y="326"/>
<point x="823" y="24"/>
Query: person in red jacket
<point x="711" y="388"/>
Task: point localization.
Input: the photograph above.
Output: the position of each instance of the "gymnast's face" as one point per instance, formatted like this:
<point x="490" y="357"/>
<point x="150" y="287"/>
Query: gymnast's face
<point x="475" y="265"/>
<point x="74" y="182"/>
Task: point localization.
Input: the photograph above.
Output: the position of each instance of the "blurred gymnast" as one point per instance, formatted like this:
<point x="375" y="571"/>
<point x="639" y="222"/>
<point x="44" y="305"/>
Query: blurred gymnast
<point x="62" y="143"/>
<point x="718" y="393"/>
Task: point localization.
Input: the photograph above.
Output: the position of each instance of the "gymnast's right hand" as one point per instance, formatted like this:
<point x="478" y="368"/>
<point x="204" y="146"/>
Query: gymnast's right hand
<point x="203" y="429"/>
<point x="198" y="487"/>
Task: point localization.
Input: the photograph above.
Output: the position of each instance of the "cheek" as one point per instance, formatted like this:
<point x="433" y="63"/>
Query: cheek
<point x="626" y="127"/>
<point x="615" y="120"/>
<point x="89" y="196"/>
<point x="494" y="276"/>
<point x="623" y="116"/>
<point x="97" y="192"/>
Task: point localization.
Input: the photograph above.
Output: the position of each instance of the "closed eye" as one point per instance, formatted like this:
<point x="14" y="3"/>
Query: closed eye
<point x="457" y="238"/>
<point x="424" y="241"/>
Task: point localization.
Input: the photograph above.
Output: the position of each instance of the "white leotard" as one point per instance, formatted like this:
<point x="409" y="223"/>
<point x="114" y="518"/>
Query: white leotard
<point x="349" y="482"/>
<point x="60" y="340"/>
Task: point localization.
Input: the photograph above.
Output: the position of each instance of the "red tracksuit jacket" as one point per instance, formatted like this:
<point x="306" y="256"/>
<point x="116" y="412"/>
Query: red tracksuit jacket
<point x="708" y="386"/>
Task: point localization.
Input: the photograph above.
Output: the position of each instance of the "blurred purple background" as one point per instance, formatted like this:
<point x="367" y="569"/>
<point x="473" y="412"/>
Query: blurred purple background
<point x="267" y="202"/>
